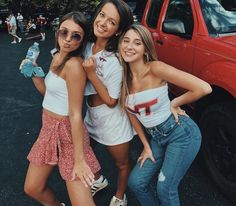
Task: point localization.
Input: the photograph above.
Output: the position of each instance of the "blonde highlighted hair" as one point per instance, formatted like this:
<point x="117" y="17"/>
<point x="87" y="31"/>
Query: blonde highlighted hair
<point x="149" y="55"/>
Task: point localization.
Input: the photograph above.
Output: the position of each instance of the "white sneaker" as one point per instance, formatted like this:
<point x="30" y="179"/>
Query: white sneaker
<point x="63" y="204"/>
<point x="19" y="40"/>
<point x="13" y="42"/>
<point x="117" y="202"/>
<point x="98" y="185"/>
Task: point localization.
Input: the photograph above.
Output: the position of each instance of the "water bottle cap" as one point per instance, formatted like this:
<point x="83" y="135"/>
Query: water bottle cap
<point x="36" y="43"/>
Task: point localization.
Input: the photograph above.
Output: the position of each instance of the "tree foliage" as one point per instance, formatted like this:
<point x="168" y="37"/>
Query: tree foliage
<point x="59" y="7"/>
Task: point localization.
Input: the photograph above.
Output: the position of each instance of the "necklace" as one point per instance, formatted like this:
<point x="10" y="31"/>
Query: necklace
<point x="139" y="76"/>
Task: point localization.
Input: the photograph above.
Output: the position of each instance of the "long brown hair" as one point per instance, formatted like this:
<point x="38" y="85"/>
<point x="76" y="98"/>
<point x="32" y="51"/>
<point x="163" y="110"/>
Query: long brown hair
<point x="150" y="55"/>
<point x="81" y="20"/>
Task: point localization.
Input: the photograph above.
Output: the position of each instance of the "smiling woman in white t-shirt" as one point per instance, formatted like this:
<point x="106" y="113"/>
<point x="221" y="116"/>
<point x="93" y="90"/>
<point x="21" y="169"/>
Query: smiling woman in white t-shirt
<point x="105" y="121"/>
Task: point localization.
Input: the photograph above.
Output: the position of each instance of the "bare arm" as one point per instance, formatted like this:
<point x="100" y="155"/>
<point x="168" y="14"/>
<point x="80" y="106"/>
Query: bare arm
<point x="90" y="69"/>
<point x="147" y="152"/>
<point x="76" y="79"/>
<point x="39" y="84"/>
<point x="196" y="88"/>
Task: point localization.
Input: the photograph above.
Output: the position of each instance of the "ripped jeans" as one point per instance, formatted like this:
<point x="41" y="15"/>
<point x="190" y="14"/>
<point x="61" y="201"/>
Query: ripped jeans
<point x="174" y="148"/>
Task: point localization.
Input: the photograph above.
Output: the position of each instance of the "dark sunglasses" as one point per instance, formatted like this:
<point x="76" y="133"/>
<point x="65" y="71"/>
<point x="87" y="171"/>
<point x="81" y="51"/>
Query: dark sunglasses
<point x="74" y="36"/>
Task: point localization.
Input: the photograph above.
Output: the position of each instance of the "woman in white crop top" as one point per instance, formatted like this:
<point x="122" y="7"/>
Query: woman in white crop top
<point x="174" y="138"/>
<point x="63" y="138"/>
<point x="105" y="122"/>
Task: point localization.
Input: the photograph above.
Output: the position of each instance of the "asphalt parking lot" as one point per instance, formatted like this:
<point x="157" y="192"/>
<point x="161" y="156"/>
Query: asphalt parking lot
<point x="20" y="122"/>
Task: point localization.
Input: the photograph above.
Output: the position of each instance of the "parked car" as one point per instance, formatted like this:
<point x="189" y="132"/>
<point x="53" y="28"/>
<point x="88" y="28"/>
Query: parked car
<point x="199" y="37"/>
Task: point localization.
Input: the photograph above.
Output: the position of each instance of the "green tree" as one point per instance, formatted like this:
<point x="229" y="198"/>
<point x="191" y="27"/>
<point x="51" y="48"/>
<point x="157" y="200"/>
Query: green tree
<point x="2" y="3"/>
<point x="56" y="6"/>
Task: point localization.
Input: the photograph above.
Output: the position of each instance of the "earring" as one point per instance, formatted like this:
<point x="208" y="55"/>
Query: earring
<point x="147" y="57"/>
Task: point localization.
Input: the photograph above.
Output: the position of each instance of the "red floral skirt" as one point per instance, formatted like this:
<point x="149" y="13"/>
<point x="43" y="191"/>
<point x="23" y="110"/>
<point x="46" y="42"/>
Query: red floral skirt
<point x="54" y="146"/>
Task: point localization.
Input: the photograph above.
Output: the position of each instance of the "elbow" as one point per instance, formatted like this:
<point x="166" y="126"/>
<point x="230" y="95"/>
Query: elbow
<point x="75" y="117"/>
<point x="111" y="103"/>
<point x="206" y="89"/>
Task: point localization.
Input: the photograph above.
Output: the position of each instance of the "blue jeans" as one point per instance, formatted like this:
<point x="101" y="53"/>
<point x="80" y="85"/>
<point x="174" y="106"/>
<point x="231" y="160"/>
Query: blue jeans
<point x="174" y="148"/>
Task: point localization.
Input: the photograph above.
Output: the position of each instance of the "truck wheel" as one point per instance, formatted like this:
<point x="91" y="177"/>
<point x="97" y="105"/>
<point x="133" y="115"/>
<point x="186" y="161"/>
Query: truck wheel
<point x="218" y="126"/>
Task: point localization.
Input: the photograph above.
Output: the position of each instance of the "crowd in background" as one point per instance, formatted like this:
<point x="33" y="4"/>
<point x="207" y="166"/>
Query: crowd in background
<point x="31" y="27"/>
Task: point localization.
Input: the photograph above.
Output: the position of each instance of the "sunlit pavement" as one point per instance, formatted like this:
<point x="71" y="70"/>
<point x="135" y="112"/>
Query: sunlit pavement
<point x="20" y="122"/>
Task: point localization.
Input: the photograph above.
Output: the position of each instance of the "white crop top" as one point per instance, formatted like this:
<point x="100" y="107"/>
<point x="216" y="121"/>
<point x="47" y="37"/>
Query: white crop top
<point x="56" y="96"/>
<point x="108" y="70"/>
<point x="151" y="107"/>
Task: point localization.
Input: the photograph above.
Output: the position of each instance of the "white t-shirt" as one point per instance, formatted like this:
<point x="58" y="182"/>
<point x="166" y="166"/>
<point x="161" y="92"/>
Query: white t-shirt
<point x="12" y="21"/>
<point x="19" y="17"/>
<point x="106" y="125"/>
<point x="109" y="71"/>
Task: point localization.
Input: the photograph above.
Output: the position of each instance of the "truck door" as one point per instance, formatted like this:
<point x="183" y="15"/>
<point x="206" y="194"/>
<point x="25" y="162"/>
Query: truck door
<point x="173" y="49"/>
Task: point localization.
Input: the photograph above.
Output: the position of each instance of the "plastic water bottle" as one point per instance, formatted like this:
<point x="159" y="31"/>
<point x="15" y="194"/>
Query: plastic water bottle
<point x="28" y="66"/>
<point x="33" y="52"/>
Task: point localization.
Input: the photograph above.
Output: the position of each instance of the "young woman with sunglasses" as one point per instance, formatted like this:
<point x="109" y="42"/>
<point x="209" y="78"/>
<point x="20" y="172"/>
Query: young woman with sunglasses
<point x="63" y="139"/>
<point x="105" y="122"/>
<point x="174" y="137"/>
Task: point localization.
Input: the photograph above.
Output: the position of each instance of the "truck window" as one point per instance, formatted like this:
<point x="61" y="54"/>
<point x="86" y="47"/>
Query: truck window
<point x="154" y="13"/>
<point x="220" y="18"/>
<point x="181" y="10"/>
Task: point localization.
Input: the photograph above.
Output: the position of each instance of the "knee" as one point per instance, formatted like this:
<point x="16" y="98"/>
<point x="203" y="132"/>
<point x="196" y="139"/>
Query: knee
<point x="32" y="190"/>
<point x="132" y="183"/>
<point x="123" y="165"/>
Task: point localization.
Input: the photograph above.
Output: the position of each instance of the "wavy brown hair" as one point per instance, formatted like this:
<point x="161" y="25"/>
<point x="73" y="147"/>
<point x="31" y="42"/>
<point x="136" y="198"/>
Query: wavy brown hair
<point x="150" y="55"/>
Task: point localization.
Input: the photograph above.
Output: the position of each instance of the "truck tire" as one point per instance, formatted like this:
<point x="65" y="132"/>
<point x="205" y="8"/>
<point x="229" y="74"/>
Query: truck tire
<point x="218" y="126"/>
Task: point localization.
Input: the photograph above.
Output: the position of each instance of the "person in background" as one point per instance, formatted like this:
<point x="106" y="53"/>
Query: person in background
<point x="63" y="139"/>
<point x="7" y="21"/>
<point x="105" y="121"/>
<point x="42" y="22"/>
<point x="32" y="32"/>
<point x="31" y="27"/>
<point x="174" y="137"/>
<point x="13" y="29"/>
<point x="20" y="21"/>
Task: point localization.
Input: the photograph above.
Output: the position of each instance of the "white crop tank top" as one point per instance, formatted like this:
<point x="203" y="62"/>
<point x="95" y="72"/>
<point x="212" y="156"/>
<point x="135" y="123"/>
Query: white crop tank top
<point x="56" y="96"/>
<point x="151" y="107"/>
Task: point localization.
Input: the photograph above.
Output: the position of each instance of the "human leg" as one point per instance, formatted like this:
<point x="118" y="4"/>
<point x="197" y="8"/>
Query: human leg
<point x="140" y="178"/>
<point x="79" y="194"/>
<point x="182" y="146"/>
<point x="36" y="185"/>
<point x="100" y="181"/>
<point x="120" y="155"/>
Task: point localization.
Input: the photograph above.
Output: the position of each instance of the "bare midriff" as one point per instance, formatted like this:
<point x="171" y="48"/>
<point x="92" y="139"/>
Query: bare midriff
<point x="52" y="114"/>
<point x="95" y="100"/>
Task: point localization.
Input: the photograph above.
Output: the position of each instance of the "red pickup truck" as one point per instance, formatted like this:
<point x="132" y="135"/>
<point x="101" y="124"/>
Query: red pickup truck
<point x="199" y="37"/>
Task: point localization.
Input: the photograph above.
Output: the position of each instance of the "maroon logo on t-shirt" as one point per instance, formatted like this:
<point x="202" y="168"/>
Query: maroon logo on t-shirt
<point x="146" y="105"/>
<point x="99" y="70"/>
<point x="102" y="59"/>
